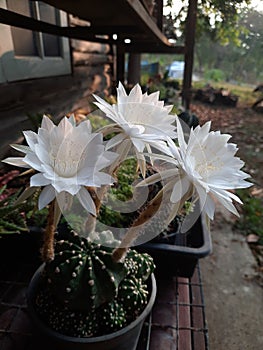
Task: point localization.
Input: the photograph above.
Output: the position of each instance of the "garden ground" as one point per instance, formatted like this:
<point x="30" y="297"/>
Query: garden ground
<point x="232" y="274"/>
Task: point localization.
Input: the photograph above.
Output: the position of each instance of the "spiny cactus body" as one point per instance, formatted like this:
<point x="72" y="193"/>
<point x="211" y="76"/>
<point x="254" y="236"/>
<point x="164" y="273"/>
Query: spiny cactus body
<point x="88" y="294"/>
<point x="83" y="274"/>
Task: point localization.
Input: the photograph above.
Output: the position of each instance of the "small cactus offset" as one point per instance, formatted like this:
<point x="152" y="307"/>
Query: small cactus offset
<point x="133" y="291"/>
<point x="89" y="291"/>
<point x="139" y="265"/>
<point x="133" y="294"/>
<point x="112" y="317"/>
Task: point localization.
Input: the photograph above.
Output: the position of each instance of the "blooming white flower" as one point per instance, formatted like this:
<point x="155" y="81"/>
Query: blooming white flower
<point x="142" y="118"/>
<point x="210" y="166"/>
<point x="67" y="158"/>
<point x="204" y="168"/>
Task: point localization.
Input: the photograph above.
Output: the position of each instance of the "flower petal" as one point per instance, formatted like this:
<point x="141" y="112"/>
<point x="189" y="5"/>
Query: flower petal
<point x="47" y="123"/>
<point x="64" y="201"/>
<point x="39" y="180"/>
<point x="31" y="138"/>
<point x="102" y="179"/>
<point x="21" y="148"/>
<point x="46" y="196"/>
<point x="138" y="144"/>
<point x="25" y="194"/>
<point x="179" y="190"/>
<point x="86" y="201"/>
<point x="209" y="207"/>
<point x="32" y="160"/>
<point x="143" y="117"/>
<point x="17" y="161"/>
<point x="114" y="141"/>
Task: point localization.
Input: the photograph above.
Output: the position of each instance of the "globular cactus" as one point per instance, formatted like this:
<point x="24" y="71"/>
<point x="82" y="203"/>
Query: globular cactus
<point x="88" y="293"/>
<point x="112" y="317"/>
<point x="133" y="291"/>
<point x="133" y="294"/>
<point x="83" y="275"/>
<point x="139" y="265"/>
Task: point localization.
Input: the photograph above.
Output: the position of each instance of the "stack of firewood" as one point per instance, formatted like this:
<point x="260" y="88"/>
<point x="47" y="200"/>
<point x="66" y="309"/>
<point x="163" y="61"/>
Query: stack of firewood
<point x="216" y="96"/>
<point x="258" y="105"/>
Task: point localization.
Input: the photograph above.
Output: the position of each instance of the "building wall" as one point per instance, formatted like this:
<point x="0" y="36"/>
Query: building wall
<point x="58" y="96"/>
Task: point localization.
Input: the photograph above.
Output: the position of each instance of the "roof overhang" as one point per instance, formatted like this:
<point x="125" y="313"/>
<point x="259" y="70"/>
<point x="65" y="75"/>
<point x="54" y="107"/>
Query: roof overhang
<point x="127" y="19"/>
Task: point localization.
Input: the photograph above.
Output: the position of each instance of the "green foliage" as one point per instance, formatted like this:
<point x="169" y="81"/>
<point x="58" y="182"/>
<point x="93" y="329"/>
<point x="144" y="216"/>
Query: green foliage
<point x="12" y="216"/>
<point x="16" y="218"/>
<point x="217" y="18"/>
<point x="214" y="75"/>
<point x="240" y="61"/>
<point x="122" y="191"/>
<point x="35" y="120"/>
<point x="251" y="219"/>
<point x="126" y="175"/>
<point x="228" y="37"/>
<point x="88" y="290"/>
<point x="159" y="87"/>
<point x="144" y="79"/>
<point x="97" y="121"/>
<point x="34" y="216"/>
<point x="232" y="44"/>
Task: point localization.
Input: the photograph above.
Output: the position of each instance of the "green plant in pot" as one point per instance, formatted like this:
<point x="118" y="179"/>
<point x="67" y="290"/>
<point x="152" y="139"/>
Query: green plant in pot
<point x="92" y="287"/>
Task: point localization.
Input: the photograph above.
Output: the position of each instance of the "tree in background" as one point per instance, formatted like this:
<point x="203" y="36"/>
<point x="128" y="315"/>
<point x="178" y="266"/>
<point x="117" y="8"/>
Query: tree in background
<point x="240" y="60"/>
<point x="217" y="18"/>
<point x="229" y="37"/>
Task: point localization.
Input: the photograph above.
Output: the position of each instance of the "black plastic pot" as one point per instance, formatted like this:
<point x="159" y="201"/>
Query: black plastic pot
<point x="180" y="258"/>
<point x="124" y="339"/>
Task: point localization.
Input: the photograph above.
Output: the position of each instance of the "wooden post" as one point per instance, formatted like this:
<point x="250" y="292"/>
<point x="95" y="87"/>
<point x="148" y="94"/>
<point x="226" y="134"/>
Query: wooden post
<point x="134" y="69"/>
<point x="120" y="63"/>
<point x="159" y="11"/>
<point x="189" y="52"/>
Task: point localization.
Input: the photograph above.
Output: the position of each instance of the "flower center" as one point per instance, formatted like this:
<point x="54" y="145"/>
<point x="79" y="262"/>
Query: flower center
<point x="66" y="165"/>
<point x="205" y="169"/>
<point x="66" y="168"/>
<point x="134" y="130"/>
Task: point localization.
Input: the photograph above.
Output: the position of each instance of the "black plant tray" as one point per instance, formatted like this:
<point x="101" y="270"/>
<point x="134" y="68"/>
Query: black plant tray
<point x="180" y="258"/>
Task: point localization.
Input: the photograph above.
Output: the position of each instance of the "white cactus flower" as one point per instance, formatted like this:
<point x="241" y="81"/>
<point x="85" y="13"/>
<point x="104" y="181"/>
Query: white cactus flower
<point x="67" y="158"/>
<point x="209" y="166"/>
<point x="141" y="117"/>
<point x="204" y="168"/>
